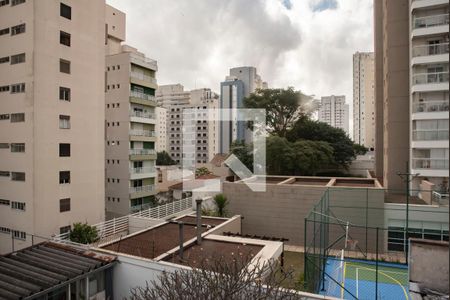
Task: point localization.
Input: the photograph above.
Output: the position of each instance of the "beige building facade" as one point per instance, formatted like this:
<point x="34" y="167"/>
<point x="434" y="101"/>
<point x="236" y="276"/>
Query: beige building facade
<point x="51" y="117"/>
<point x="364" y="99"/>
<point x="335" y="112"/>
<point x="161" y="129"/>
<point x="130" y="123"/>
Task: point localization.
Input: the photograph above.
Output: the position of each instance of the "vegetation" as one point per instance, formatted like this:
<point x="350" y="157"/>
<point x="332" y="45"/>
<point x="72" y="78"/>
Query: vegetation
<point x="221" y="202"/>
<point x="83" y="233"/>
<point x="202" y="171"/>
<point x="163" y="159"/>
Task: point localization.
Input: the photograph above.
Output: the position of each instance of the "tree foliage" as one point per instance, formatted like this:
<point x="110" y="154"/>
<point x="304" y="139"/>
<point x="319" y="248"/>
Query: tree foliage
<point x="202" y="171"/>
<point x="283" y="107"/>
<point x="244" y="152"/>
<point x="83" y="233"/>
<point x="163" y="159"/>
<point x="221" y="202"/>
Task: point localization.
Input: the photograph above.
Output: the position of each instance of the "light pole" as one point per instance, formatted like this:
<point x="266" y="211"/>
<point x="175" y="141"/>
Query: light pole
<point x="407" y="177"/>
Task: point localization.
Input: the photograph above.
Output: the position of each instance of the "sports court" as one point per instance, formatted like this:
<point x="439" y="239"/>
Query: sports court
<point x="356" y="279"/>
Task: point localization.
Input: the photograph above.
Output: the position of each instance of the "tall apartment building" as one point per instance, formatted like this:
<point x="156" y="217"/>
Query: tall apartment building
<point x="241" y="82"/>
<point x="334" y="111"/>
<point x="51" y="118"/>
<point x="130" y="123"/>
<point x="161" y="129"/>
<point x="411" y="90"/>
<point x="177" y="100"/>
<point x="364" y="99"/>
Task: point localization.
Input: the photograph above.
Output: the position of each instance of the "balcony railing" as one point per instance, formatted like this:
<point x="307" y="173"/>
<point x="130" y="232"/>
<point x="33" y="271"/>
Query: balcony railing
<point x="431" y="106"/>
<point x="426" y="50"/>
<point x="431" y="21"/>
<point x="142" y="152"/>
<point x="143" y="170"/>
<point x="430" y="163"/>
<point x="430" y="135"/>
<point x="140" y="207"/>
<point x="140" y="132"/>
<point x="140" y="189"/>
<point x="432" y="77"/>
<point x="142" y="95"/>
<point x="143" y="77"/>
<point x="141" y="114"/>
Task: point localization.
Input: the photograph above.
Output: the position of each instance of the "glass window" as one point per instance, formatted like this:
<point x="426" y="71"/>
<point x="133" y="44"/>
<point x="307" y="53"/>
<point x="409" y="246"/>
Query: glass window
<point x="17" y="117"/>
<point x="64" y="66"/>
<point x="64" y="38"/>
<point x="64" y="205"/>
<point x="18" y="88"/>
<point x="64" y="150"/>
<point x="18" y="29"/>
<point x="18" y="176"/>
<point x="17" y="2"/>
<point x="64" y="122"/>
<point x="65" y="11"/>
<point x="64" y="177"/>
<point x="18" y="58"/>
<point x="17" y="147"/>
<point x="64" y="93"/>
<point x="63" y="230"/>
<point x="18" y="205"/>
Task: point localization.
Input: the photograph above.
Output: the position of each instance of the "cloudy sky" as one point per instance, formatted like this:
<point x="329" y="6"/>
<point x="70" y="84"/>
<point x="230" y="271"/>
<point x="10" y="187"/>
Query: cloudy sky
<point x="307" y="44"/>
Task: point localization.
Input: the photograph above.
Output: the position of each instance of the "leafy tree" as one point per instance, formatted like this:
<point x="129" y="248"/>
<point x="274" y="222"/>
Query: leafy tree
<point x="163" y="159"/>
<point x="283" y="107"/>
<point x="279" y="156"/>
<point x="311" y="156"/>
<point x="202" y="171"/>
<point x="244" y="152"/>
<point x="359" y="149"/>
<point x="83" y="233"/>
<point x="221" y="203"/>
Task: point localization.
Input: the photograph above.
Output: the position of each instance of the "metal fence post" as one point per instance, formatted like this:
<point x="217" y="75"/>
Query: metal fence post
<point x="376" y="267"/>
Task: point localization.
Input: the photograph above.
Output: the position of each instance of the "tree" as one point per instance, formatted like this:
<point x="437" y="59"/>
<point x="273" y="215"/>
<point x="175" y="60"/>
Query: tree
<point x="221" y="202"/>
<point x="359" y="149"/>
<point x="83" y="233"/>
<point x="244" y="152"/>
<point x="283" y="107"/>
<point x="220" y="277"/>
<point x="163" y="159"/>
<point x="202" y="171"/>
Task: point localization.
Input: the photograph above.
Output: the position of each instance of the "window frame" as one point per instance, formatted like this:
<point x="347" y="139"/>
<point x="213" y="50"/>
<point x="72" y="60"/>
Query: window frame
<point x="64" y="152"/>
<point x="65" y="11"/>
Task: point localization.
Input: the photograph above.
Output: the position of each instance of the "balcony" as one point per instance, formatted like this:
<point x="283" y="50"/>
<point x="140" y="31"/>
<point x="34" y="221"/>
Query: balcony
<point x="430" y="135"/>
<point x="431" y="21"/>
<point x="141" y="132"/>
<point x="427" y="78"/>
<point x="143" y="77"/>
<point x="430" y="163"/>
<point x="431" y="106"/>
<point x="142" y="98"/>
<point x="142" y="152"/>
<point x="142" y="189"/>
<point x="140" y="114"/>
<point x="142" y="172"/>
<point x="429" y="54"/>
<point x="143" y="61"/>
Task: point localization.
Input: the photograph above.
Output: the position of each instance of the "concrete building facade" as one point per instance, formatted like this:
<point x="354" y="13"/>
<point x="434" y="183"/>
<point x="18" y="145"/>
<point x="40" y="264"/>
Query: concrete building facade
<point x="335" y="112"/>
<point x="130" y="123"/>
<point x="161" y="129"/>
<point x="241" y="82"/>
<point x="51" y="117"/>
<point x="364" y="99"/>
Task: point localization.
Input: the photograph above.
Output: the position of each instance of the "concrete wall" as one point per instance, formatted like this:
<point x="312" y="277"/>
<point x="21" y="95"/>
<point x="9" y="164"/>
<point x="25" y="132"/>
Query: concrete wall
<point x="429" y="264"/>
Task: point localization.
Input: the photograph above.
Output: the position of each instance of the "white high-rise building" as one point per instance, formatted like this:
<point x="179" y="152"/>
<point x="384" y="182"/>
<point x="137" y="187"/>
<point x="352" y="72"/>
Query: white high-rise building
<point x="334" y="111"/>
<point x="364" y="99"/>
<point x="52" y="114"/>
<point x="161" y="129"/>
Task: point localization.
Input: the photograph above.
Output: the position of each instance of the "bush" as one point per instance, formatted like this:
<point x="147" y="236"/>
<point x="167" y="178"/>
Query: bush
<point x="83" y="233"/>
<point x="221" y="202"/>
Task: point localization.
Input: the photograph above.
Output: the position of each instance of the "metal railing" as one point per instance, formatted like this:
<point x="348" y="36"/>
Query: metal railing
<point x="431" y="21"/>
<point x="430" y="135"/>
<point x="142" y="152"/>
<point x="432" y="77"/>
<point x="426" y="50"/>
<point x="431" y="106"/>
<point x="143" y="188"/>
<point x="143" y="170"/>
<point x="430" y="163"/>
<point x="143" y="77"/>
<point x="142" y="132"/>
<point x="168" y="209"/>
<point x="141" y="114"/>
<point x="142" y="95"/>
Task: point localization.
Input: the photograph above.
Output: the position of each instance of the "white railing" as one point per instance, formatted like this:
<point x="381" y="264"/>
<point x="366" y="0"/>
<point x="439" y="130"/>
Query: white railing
<point x="143" y="170"/>
<point x="142" y="95"/>
<point x="141" y="114"/>
<point x="431" y="21"/>
<point x="442" y="198"/>
<point x="143" y="77"/>
<point x="426" y="50"/>
<point x="141" y="59"/>
<point x="141" y="132"/>
<point x="430" y="163"/>
<point x="430" y="135"/>
<point x="142" y="152"/>
<point x="165" y="210"/>
<point x="431" y="106"/>
<point x="140" y="189"/>
<point x="432" y="77"/>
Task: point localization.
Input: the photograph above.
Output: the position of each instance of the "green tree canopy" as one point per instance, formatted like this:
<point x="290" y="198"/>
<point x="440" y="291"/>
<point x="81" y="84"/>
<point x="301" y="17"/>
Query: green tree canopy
<point x="202" y="171"/>
<point x="83" y="233"/>
<point x="283" y="107"/>
<point x="163" y="159"/>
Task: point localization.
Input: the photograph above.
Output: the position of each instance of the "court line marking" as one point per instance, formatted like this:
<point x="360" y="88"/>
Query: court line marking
<point x="393" y="272"/>
<point x="357" y="288"/>
<point x="343" y="281"/>
<point x="395" y="280"/>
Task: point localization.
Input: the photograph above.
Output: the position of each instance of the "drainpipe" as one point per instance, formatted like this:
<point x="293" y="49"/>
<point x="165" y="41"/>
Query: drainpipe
<point x="199" y="220"/>
<point x="180" y="252"/>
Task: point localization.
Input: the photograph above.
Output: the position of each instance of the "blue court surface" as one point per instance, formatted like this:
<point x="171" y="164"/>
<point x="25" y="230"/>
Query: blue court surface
<point x="356" y="279"/>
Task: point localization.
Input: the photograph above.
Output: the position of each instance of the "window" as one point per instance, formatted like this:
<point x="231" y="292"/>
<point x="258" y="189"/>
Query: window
<point x="5" y="230"/>
<point x="17" y="2"/>
<point x="4" y="146"/>
<point x="64" y="66"/>
<point x="17" y="147"/>
<point x="64" y="150"/>
<point x="64" y="205"/>
<point x="65" y="11"/>
<point x="4" y="59"/>
<point x="4" y="202"/>
<point x="17" y="117"/>
<point x="64" y="229"/>
<point x="20" y="235"/>
<point x="4" y="88"/>
<point x="18" y="58"/>
<point x="4" y="173"/>
<point x="4" y="31"/>
<point x="18" y="176"/>
<point x="64" y="122"/>
<point x="64" y="93"/>
<point x="4" y="2"/>
<point x="17" y="88"/>
<point x="18" y="29"/>
<point x="18" y="205"/>
<point x="64" y="177"/>
<point x="64" y="38"/>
